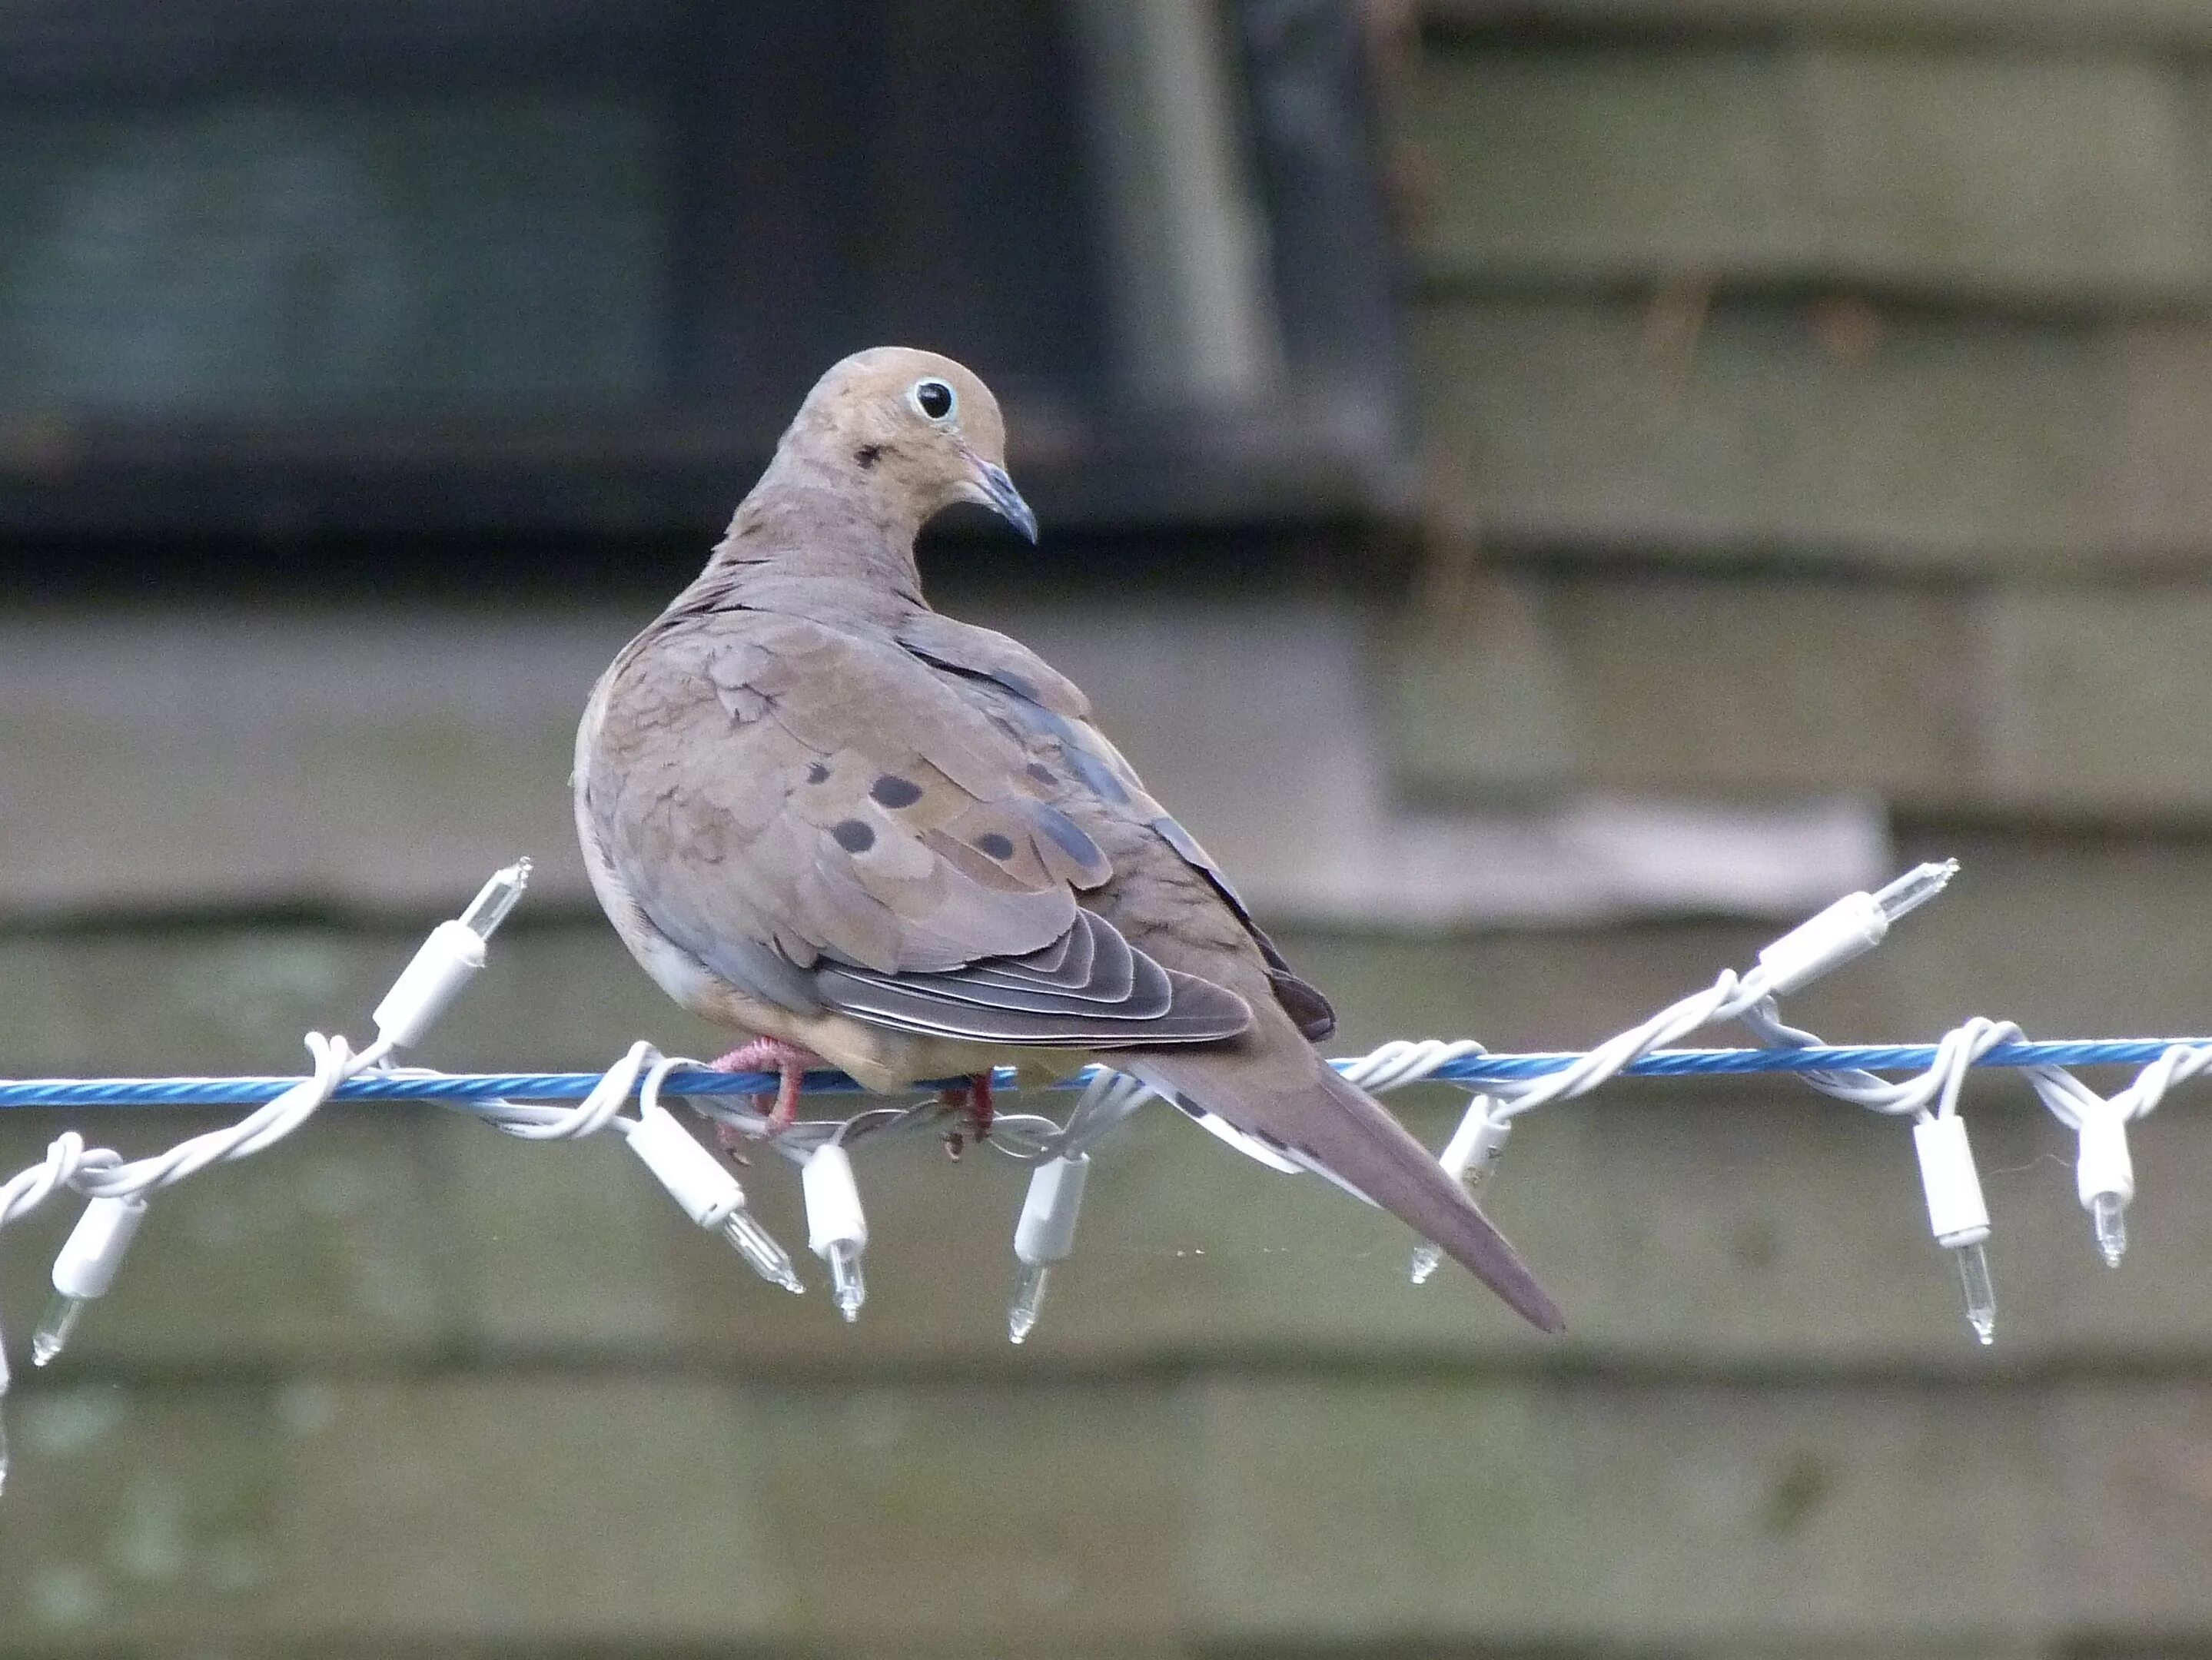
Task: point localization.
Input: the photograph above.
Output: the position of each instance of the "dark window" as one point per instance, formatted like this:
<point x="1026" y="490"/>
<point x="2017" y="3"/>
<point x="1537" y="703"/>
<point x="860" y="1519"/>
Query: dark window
<point x="567" y="267"/>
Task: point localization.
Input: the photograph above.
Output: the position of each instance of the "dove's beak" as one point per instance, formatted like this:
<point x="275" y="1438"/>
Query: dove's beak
<point x="996" y="491"/>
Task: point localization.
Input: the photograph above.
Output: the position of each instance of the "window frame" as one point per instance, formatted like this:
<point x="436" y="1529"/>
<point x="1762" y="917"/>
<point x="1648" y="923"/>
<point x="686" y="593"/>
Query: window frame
<point x="1325" y="443"/>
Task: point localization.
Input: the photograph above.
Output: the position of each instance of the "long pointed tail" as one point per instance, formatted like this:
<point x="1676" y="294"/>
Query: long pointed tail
<point x="1295" y="1097"/>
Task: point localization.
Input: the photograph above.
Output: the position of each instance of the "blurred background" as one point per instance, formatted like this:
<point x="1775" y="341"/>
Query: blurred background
<point x="1550" y="492"/>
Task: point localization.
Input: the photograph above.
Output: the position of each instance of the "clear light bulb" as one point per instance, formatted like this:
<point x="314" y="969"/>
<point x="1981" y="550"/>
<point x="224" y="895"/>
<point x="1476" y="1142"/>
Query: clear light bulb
<point x="1044" y="1235"/>
<point x="1428" y="1256"/>
<point x="1915" y="888"/>
<point x="1981" y="1295"/>
<point x="836" y="1227"/>
<point x="86" y="1268"/>
<point x="1030" y="1287"/>
<point x="1957" y="1214"/>
<point x="52" y="1332"/>
<point x="846" y="1284"/>
<point x="757" y="1246"/>
<point x="2108" y="1220"/>
<point x="1472" y="1156"/>
<point x="496" y="899"/>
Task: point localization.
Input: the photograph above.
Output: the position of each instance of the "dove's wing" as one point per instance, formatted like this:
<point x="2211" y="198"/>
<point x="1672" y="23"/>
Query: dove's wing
<point x="827" y="822"/>
<point x="1052" y="711"/>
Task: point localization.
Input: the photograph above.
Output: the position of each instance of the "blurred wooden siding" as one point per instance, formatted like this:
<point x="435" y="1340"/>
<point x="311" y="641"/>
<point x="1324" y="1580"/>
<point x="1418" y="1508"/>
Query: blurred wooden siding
<point x="1817" y="397"/>
<point x="1816" y="382"/>
<point x="1869" y="341"/>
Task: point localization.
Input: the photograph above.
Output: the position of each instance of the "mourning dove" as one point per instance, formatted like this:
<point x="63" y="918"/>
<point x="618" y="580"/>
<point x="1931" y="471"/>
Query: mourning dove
<point x="822" y="813"/>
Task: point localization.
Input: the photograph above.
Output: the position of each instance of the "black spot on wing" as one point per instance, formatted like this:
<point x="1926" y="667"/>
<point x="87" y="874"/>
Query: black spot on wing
<point x="991" y="845"/>
<point x="1094" y="773"/>
<point x="853" y="835"/>
<point x="1041" y="773"/>
<point x="817" y="774"/>
<point x="893" y="791"/>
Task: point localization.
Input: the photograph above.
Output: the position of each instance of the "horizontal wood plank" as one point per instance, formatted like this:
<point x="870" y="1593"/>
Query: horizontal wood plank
<point x="1334" y="1515"/>
<point x="2012" y="700"/>
<point x="1808" y="434"/>
<point x="2000" y="179"/>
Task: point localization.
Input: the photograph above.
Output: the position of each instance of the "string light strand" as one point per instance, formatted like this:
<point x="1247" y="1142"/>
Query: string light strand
<point x="627" y="1099"/>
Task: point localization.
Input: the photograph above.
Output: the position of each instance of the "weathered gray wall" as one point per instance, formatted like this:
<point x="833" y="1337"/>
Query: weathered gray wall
<point x="1861" y="351"/>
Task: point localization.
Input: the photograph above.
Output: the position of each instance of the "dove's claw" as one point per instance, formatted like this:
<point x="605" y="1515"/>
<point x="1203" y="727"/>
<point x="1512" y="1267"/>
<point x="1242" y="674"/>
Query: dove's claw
<point x="788" y="1061"/>
<point x="980" y="1107"/>
<point x="973" y="1100"/>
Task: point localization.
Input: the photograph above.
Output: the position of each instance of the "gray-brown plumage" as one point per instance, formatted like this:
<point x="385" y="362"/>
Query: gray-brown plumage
<point x="820" y="812"/>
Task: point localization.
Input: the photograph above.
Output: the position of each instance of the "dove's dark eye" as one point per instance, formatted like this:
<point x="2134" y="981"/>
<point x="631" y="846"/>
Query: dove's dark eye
<point x="933" y="399"/>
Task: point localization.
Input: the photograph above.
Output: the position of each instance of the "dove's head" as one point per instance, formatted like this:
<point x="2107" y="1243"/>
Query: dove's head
<point x="916" y="427"/>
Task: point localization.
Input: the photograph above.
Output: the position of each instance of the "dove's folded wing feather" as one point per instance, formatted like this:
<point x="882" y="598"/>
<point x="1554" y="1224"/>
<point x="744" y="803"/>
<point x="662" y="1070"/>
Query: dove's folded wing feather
<point x="1122" y="998"/>
<point x="775" y="783"/>
<point x="1054" y="709"/>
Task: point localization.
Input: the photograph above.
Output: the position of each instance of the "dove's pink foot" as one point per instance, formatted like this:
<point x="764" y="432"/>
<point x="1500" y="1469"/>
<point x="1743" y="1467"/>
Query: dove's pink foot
<point x="788" y="1061"/>
<point x="973" y="1099"/>
<point x="981" y="1108"/>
